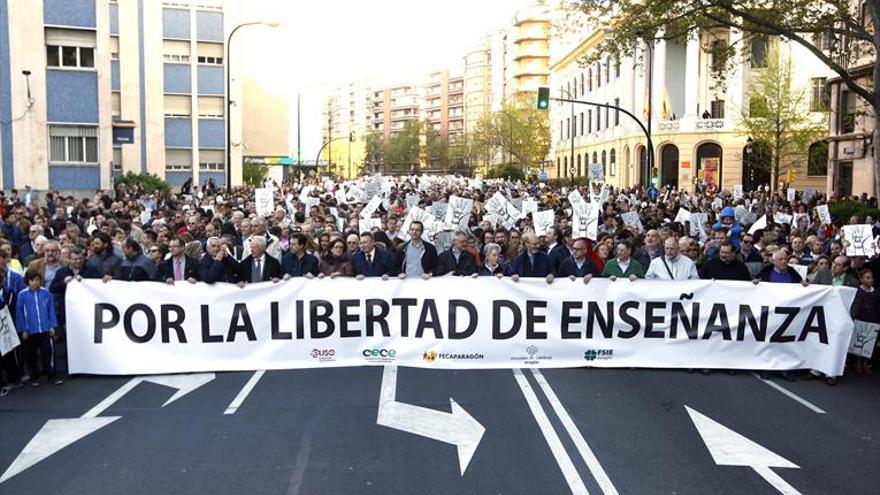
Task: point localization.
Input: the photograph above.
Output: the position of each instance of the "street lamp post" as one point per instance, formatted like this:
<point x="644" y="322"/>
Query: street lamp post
<point x="572" y="128"/>
<point x="229" y="101"/>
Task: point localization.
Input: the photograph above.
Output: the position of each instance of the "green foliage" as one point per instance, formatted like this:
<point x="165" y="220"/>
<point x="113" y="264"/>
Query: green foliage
<point x="374" y="151"/>
<point x="402" y="152"/>
<point x="508" y="171"/>
<point x="436" y="148"/>
<point x="817" y="163"/>
<point x="842" y="211"/>
<point x="253" y="174"/>
<point x="149" y="183"/>
<point x="518" y="129"/>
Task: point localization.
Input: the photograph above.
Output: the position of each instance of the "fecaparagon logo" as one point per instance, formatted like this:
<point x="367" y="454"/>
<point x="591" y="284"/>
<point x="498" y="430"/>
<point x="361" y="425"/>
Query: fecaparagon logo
<point x="429" y="356"/>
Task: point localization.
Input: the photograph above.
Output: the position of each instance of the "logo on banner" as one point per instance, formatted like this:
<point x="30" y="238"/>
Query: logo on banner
<point x="431" y="356"/>
<point x="600" y="354"/>
<point x="380" y="355"/>
<point x="323" y="355"/>
<point x="533" y="356"/>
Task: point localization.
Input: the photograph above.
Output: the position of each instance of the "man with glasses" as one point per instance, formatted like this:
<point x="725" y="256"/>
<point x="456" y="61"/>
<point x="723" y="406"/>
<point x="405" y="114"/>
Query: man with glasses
<point x="837" y="275"/>
<point x="747" y="252"/>
<point x="29" y="248"/>
<point x="49" y="264"/>
<point x="352" y="243"/>
<point x="533" y="262"/>
<point x="578" y="265"/>
<point x="178" y="267"/>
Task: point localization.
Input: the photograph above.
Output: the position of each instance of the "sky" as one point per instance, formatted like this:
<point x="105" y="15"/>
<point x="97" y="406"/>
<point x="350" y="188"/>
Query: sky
<point x="321" y="44"/>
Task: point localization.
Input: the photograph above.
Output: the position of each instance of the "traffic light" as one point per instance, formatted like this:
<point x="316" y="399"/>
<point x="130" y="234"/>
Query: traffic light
<point x="543" y="98"/>
<point x="790" y="176"/>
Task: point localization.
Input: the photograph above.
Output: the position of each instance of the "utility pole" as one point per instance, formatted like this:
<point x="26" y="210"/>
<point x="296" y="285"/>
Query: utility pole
<point x="298" y="130"/>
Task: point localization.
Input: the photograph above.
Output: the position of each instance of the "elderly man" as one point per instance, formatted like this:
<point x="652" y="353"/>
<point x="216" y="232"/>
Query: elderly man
<point x="533" y="262"/>
<point x="258" y="229"/>
<point x="651" y="250"/>
<point x="456" y="260"/>
<point x="725" y="266"/>
<point x="779" y="272"/>
<point x="218" y="264"/>
<point x="29" y="247"/>
<point x="578" y="264"/>
<point x="49" y="264"/>
<point x="672" y="265"/>
<point x="258" y="266"/>
<point x="837" y="275"/>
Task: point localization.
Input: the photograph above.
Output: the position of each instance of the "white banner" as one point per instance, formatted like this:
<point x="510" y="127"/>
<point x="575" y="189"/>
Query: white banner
<point x="131" y="328"/>
<point x="8" y="336"/>
<point x="264" y="198"/>
<point x="542" y="221"/>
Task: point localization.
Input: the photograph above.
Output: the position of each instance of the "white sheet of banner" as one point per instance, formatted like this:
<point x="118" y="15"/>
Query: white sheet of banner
<point x="760" y="224"/>
<point x="420" y="215"/>
<point x="790" y="194"/>
<point x="8" y="335"/>
<point x="132" y="328"/>
<point x="529" y="205"/>
<point x="340" y="196"/>
<point x="631" y="219"/>
<point x="372" y="206"/>
<point x="782" y="218"/>
<point x="504" y="210"/>
<point x="824" y="214"/>
<point x="864" y="338"/>
<point x="265" y="201"/>
<point x="683" y="215"/>
<point x="574" y="197"/>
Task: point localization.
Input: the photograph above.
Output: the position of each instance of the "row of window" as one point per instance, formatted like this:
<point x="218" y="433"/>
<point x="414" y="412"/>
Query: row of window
<point x="569" y="126"/>
<point x="586" y="81"/>
<point x="74" y="57"/>
<point x="608" y="168"/>
<point x="185" y="59"/>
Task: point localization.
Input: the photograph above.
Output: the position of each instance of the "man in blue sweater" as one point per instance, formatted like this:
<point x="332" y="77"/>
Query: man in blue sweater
<point x="533" y="262"/>
<point x="35" y="321"/>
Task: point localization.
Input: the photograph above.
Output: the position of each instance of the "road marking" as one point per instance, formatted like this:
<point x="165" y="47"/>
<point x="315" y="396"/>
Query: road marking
<point x="56" y="434"/>
<point x="791" y="394"/>
<point x="243" y="393"/>
<point x="729" y="448"/>
<point x="575" y="483"/>
<point x="457" y="428"/>
<point x="584" y="449"/>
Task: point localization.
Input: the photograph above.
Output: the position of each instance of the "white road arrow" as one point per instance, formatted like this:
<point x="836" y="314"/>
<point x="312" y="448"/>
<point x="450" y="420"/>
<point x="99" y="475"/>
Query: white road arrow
<point x="729" y="448"/>
<point x="457" y="428"/>
<point x="59" y="433"/>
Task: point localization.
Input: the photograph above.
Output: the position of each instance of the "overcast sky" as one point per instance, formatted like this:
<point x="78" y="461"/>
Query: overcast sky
<point x="321" y="44"/>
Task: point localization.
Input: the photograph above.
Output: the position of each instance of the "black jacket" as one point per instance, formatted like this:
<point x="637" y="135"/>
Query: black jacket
<point x="213" y="271"/>
<point x="718" y="270"/>
<point x="299" y="267"/>
<point x="569" y="267"/>
<point x="271" y="268"/>
<point x="466" y="265"/>
<point x="429" y="259"/>
<point x="165" y="270"/>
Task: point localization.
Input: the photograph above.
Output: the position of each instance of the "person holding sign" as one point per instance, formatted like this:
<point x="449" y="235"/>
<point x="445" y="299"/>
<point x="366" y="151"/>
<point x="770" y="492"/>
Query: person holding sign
<point x="533" y="262"/>
<point x="624" y="265"/>
<point x="866" y="308"/>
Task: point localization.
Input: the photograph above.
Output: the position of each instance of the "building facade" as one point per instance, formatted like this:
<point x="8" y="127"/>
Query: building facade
<point x="115" y="87"/>
<point x="694" y="115"/>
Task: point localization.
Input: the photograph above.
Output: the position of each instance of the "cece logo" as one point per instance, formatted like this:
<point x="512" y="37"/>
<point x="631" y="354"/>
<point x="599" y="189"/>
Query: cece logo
<point x="380" y="353"/>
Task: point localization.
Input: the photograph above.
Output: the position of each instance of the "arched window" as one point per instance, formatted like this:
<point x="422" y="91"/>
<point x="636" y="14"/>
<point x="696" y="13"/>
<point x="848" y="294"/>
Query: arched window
<point x="590" y="79"/>
<point x="565" y="165"/>
<point x="579" y="165"/>
<point x="558" y="167"/>
<point x="604" y="163"/>
<point x="582" y="84"/>
<point x="595" y="158"/>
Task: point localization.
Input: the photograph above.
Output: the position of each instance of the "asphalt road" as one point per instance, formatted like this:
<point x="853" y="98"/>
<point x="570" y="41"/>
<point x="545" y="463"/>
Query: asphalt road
<point x="555" y="431"/>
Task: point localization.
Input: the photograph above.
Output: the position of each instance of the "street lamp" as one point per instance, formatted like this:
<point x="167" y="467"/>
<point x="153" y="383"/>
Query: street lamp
<point x="571" y="128"/>
<point x="229" y="94"/>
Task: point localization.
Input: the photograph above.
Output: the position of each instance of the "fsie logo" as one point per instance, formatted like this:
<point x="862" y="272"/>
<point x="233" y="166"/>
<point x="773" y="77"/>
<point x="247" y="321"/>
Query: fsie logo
<point x="594" y="354"/>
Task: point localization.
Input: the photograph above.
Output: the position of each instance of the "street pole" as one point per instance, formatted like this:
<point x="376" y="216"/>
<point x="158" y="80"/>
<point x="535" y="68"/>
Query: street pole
<point x="572" y="128"/>
<point x="650" y="171"/>
<point x="229" y="101"/>
<point x="298" y="128"/>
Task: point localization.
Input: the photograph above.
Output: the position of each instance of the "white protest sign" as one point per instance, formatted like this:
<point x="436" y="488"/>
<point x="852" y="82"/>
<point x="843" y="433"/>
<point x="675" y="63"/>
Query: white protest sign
<point x="782" y="218"/>
<point x="631" y="219"/>
<point x="264" y="199"/>
<point x="372" y="206"/>
<point x="340" y="196"/>
<point x="760" y="224"/>
<point x="504" y="210"/>
<point x="824" y="214"/>
<point x="864" y="338"/>
<point x="801" y="270"/>
<point x="682" y="216"/>
<point x="542" y="221"/>
<point x="574" y="197"/>
<point x="698" y="222"/>
<point x="529" y="205"/>
<point x="8" y="335"/>
<point x="305" y="192"/>
<point x="145" y="216"/>
<point x="411" y="200"/>
<point x="459" y="209"/>
<point x="596" y="172"/>
<point x="328" y="304"/>
<point x="585" y="220"/>
<point x="738" y="191"/>
<point x="791" y="194"/>
<point x="859" y="241"/>
<point x="416" y="214"/>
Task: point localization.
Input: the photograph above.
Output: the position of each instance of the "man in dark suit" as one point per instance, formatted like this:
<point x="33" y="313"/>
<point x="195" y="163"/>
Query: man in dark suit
<point x="370" y="261"/>
<point x="299" y="263"/>
<point x="533" y="262"/>
<point x="258" y="266"/>
<point x="456" y="260"/>
<point x="179" y="266"/>
<point x="579" y="265"/>
<point x="76" y="270"/>
<point x="217" y="264"/>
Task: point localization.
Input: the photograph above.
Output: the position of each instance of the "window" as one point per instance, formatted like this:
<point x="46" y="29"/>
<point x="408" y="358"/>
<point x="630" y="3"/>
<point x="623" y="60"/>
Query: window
<point x="818" y="159"/>
<point x="115" y="104"/>
<point x="613" y="158"/>
<point x="616" y="112"/>
<point x="114" y="48"/>
<point x="598" y="75"/>
<point x="178" y="160"/>
<point x="847" y="112"/>
<point x="72" y="57"/>
<point x="607" y="117"/>
<point x="589" y="121"/>
<point x="73" y="144"/>
<point x="175" y="58"/>
<point x="819" y="97"/>
<point x="582" y="124"/>
<point x="717" y="109"/>
<point x="608" y="70"/>
<point x="758" y="48"/>
<point x="617" y="68"/>
<point x="211" y="107"/>
<point x="117" y="160"/>
<point x="178" y="106"/>
<point x="604" y="164"/>
<point x="212" y="160"/>
<point x="567" y="128"/>
<point x="560" y="130"/>
<point x="582" y="84"/>
<point x="590" y="79"/>
<point x="598" y="119"/>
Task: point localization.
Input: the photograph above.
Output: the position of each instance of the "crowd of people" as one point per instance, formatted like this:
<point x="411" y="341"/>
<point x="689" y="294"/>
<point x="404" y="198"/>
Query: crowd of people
<point x="317" y="228"/>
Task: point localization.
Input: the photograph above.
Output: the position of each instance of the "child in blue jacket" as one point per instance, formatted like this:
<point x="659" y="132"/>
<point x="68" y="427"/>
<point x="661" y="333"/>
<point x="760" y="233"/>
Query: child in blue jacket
<point x="35" y="321"/>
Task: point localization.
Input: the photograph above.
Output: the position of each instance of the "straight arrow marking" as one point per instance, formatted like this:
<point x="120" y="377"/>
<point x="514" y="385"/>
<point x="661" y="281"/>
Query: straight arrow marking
<point x="457" y="428"/>
<point x="56" y="434"/>
<point x="729" y="448"/>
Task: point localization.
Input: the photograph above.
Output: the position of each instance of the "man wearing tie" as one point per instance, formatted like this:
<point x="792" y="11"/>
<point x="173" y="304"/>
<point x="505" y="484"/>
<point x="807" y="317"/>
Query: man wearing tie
<point x="258" y="267"/>
<point x="179" y="266"/>
<point x="370" y="261"/>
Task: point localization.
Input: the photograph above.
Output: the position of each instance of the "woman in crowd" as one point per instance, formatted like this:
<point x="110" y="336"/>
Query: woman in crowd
<point x="336" y="263"/>
<point x="491" y="265"/>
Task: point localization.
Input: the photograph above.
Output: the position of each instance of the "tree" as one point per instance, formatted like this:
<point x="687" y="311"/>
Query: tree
<point x="374" y="151"/>
<point x="402" y="151"/>
<point x="436" y="148"/>
<point x="837" y="32"/>
<point x="253" y="174"/>
<point x="518" y="129"/>
<point x="779" y="113"/>
<point x="149" y="183"/>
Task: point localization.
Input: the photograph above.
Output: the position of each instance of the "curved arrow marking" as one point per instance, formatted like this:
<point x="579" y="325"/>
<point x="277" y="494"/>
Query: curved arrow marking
<point x="56" y="434"/>
<point x="457" y="428"/>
